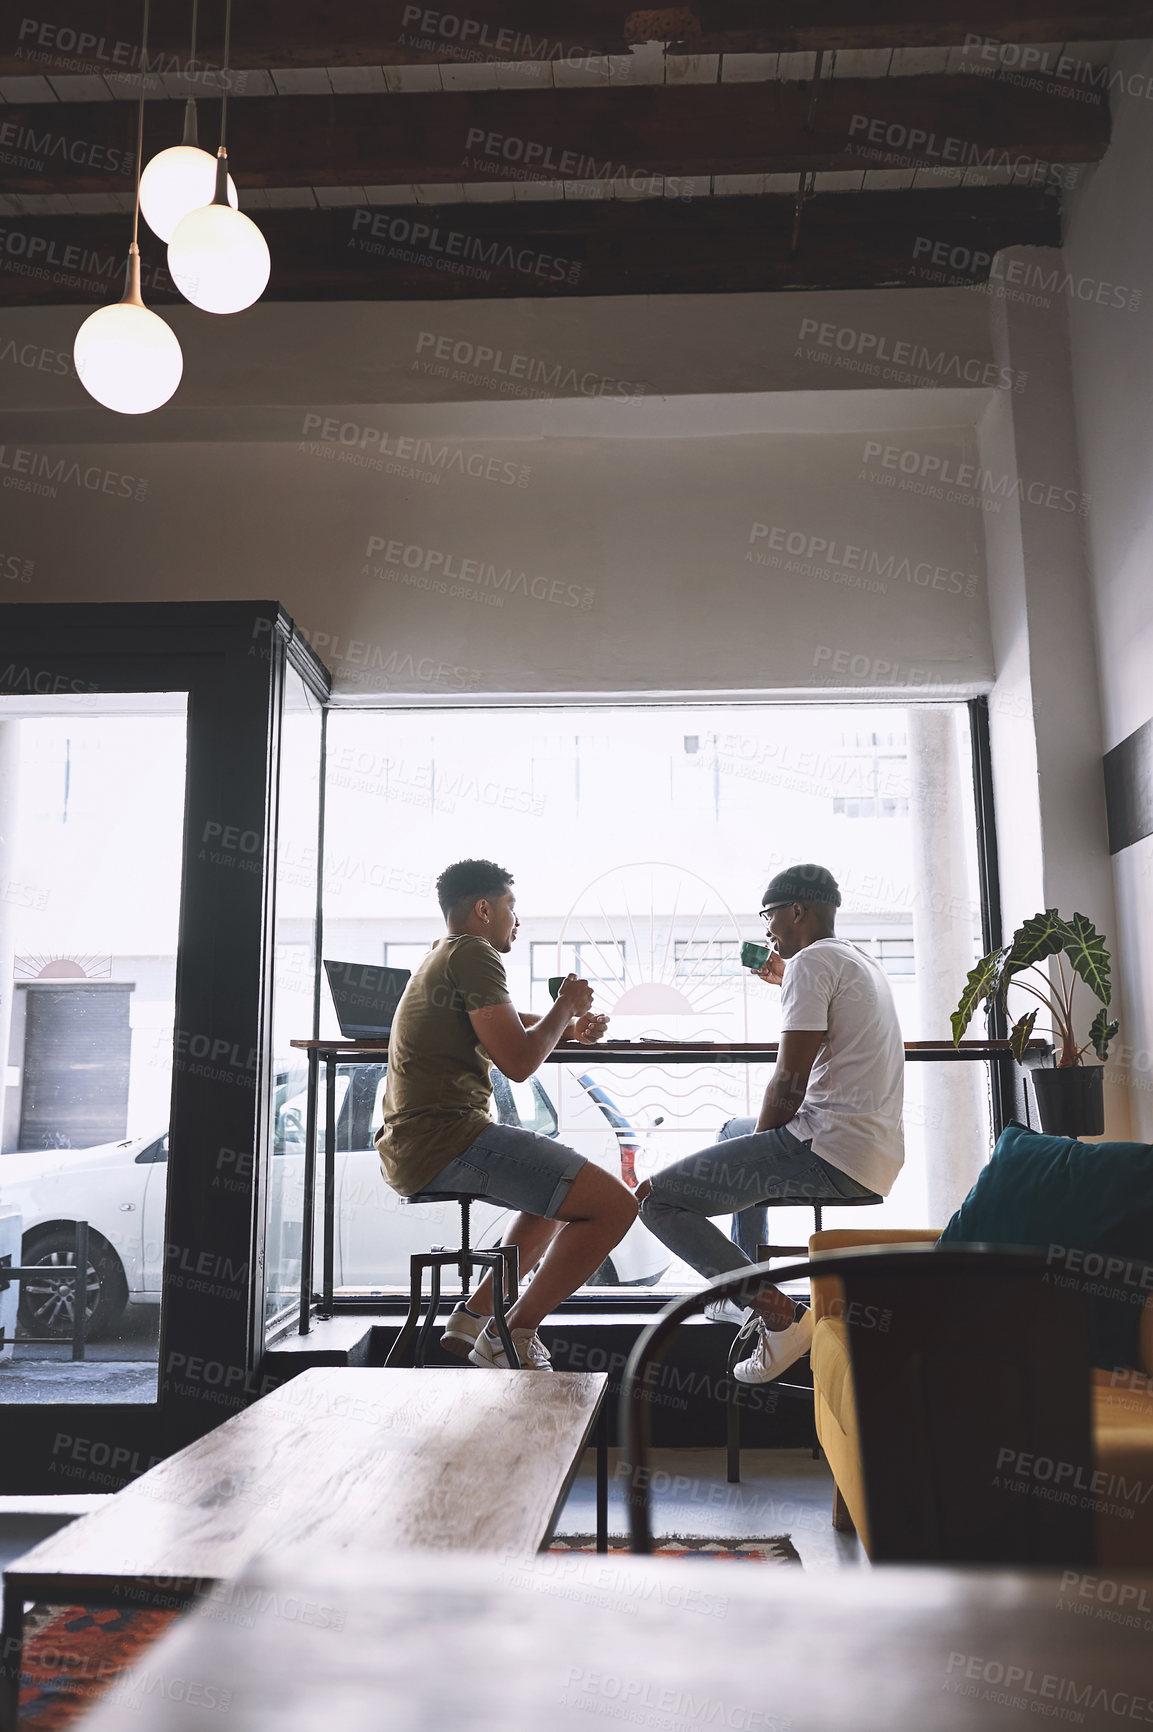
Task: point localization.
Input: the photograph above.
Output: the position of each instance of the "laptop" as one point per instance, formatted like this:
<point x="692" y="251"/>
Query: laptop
<point x="365" y="996"/>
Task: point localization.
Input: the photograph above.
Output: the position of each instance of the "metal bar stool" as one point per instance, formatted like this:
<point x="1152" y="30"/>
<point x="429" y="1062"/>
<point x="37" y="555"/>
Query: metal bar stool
<point x="765" y="1253"/>
<point x="500" y="1260"/>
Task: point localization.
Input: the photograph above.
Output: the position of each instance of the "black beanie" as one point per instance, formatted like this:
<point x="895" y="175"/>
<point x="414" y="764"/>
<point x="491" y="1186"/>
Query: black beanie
<point x="803" y="884"/>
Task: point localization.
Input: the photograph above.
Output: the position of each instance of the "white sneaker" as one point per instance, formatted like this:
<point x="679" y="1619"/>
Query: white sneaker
<point x="775" y="1350"/>
<point x="460" y="1333"/>
<point x="724" y="1311"/>
<point x="530" y="1350"/>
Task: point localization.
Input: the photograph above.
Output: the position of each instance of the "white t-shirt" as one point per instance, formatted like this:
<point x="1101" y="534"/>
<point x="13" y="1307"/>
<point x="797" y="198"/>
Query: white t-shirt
<point x="852" y="1107"/>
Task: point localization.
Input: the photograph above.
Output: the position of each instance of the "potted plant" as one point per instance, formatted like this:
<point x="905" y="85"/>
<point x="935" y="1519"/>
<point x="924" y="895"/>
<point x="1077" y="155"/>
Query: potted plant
<point x="1069" y="1098"/>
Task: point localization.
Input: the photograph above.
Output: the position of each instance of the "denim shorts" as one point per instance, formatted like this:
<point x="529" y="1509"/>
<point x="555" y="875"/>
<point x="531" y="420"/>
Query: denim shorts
<point x="514" y="1167"/>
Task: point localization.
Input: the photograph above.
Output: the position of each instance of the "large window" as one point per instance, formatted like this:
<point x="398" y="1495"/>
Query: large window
<point x="91" y="831"/>
<point x="698" y="959"/>
<point x="641" y="840"/>
<point x="604" y="965"/>
<point x="408" y="956"/>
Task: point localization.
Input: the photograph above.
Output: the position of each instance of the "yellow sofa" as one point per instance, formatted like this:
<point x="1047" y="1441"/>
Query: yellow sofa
<point x="1122" y="1411"/>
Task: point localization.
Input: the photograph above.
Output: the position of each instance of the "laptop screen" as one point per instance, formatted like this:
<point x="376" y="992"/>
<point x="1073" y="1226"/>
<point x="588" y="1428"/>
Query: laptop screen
<point x="365" y="996"/>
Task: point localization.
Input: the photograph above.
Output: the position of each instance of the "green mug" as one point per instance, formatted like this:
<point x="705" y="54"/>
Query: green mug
<point x="556" y="981"/>
<point x="752" y="955"/>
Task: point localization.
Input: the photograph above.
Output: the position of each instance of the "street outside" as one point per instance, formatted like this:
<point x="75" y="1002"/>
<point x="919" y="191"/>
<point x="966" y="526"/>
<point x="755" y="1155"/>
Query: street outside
<point x="123" y="1369"/>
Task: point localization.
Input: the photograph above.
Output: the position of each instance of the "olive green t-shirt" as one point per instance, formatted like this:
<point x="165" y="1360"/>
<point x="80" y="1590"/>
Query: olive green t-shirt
<point x="439" y="1089"/>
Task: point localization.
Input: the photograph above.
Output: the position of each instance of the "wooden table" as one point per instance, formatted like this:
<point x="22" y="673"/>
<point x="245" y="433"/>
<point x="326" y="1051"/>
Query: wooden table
<point x="416" y="1643"/>
<point x="355" y="1459"/>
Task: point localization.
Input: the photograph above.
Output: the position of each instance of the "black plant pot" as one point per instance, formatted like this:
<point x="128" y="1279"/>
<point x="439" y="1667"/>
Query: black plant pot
<point x="1069" y="1101"/>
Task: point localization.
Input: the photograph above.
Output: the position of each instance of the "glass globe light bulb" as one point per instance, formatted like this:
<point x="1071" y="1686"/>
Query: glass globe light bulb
<point x="177" y="181"/>
<point x="126" y="356"/>
<point x="219" y="259"/>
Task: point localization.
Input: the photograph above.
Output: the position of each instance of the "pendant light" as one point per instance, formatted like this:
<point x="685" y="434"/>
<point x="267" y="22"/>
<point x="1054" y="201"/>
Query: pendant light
<point x="127" y="357"/>
<point x="217" y="256"/>
<point x="183" y="177"/>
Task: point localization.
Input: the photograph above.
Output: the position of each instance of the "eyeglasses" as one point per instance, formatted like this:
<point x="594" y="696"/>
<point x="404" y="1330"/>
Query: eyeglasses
<point x="772" y="909"/>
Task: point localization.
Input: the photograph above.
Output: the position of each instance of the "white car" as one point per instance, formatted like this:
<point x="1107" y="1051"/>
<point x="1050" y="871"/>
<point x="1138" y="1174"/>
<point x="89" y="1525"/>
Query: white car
<point x="119" y="1188"/>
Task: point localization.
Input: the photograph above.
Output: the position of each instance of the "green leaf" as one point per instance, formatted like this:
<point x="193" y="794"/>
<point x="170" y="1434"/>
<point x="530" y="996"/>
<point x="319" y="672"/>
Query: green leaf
<point x="1041" y="936"/>
<point x="1044" y="935"/>
<point x="1086" y="951"/>
<point x="1019" y="1038"/>
<point x="978" y="985"/>
<point x="1102" y="1033"/>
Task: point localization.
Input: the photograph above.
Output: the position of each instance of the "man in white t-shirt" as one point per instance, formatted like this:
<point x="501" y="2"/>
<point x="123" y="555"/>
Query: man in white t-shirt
<point x="830" y="1123"/>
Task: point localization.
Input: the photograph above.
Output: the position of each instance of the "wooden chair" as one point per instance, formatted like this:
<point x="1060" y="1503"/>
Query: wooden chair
<point x="964" y="1360"/>
<point x="499" y="1260"/>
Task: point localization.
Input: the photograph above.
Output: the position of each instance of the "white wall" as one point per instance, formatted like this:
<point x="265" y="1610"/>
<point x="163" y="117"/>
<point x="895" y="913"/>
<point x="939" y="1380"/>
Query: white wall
<point x="638" y="562"/>
<point x="1045" y="714"/>
<point x="649" y="434"/>
<point x="1109" y="244"/>
<point x="256" y="374"/>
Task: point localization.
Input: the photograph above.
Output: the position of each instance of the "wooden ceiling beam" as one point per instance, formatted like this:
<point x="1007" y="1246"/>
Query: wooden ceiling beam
<point x="82" y="36"/>
<point x="659" y="246"/>
<point x="630" y="135"/>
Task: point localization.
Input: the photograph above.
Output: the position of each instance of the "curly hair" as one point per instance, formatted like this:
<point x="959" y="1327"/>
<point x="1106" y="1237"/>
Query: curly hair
<point x="459" y="886"/>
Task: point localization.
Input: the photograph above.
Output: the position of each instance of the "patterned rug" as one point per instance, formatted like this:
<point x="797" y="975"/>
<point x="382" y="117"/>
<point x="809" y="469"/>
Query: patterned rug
<point x="777" y="1549"/>
<point x="73" y="1655"/>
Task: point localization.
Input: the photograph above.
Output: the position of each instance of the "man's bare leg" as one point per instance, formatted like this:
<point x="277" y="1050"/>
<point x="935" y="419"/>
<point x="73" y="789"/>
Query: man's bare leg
<point x="594" y="1217"/>
<point x="774" y="1308"/>
<point x="531" y="1234"/>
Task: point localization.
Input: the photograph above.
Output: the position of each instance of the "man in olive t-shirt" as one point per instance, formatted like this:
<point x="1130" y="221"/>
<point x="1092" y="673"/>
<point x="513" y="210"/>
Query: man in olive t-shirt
<point x="438" y="1093"/>
<point x="455" y="1020"/>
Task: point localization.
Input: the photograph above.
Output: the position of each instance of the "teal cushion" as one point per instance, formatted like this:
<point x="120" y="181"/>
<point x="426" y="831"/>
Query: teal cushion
<point x="1089" y="1207"/>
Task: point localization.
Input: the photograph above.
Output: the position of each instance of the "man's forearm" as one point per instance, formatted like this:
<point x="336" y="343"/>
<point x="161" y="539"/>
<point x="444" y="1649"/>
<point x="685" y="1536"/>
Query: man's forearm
<point x="543" y="1034"/>
<point x="530" y="1018"/>
<point x="782" y="1100"/>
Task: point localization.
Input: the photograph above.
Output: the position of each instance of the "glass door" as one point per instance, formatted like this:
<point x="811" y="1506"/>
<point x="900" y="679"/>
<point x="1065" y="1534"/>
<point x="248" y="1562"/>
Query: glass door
<point x="92" y="800"/>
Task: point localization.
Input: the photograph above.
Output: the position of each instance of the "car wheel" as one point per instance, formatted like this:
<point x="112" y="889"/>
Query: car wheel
<point x="47" y="1300"/>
